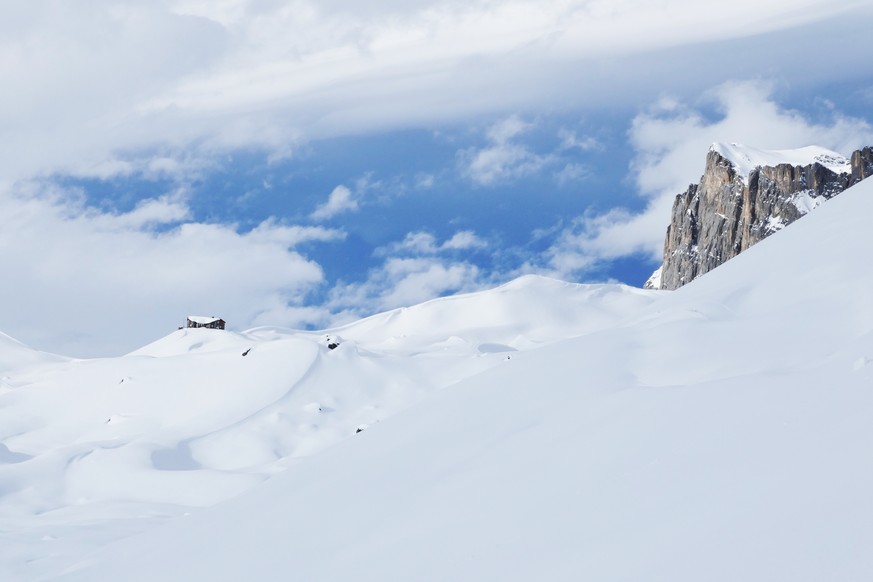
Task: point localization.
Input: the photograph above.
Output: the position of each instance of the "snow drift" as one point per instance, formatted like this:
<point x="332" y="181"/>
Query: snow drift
<point x="718" y="432"/>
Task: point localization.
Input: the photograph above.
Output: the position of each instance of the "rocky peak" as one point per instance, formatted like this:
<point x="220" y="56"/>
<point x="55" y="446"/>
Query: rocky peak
<point x="744" y="196"/>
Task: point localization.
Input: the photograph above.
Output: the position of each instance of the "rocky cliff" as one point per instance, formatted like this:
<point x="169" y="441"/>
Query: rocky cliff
<point x="744" y="196"/>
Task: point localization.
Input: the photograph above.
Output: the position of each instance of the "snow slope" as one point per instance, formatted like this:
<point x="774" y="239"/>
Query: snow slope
<point x="722" y="433"/>
<point x="524" y="313"/>
<point x="538" y="431"/>
<point x="746" y="158"/>
<point x="16" y="355"/>
<point x="94" y="450"/>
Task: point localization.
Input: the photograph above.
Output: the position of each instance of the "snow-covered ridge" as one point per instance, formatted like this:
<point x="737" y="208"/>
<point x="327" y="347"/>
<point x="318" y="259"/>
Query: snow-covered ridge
<point x="746" y="158"/>
<point x="525" y="312"/>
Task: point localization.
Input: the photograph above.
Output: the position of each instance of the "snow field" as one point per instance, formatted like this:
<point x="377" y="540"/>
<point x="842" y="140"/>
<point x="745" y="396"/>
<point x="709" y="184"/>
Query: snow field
<point x="720" y="433"/>
<point x="116" y="444"/>
<point x="538" y="431"/>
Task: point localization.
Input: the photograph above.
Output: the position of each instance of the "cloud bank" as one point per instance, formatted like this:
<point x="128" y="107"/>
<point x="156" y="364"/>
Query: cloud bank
<point x="108" y="86"/>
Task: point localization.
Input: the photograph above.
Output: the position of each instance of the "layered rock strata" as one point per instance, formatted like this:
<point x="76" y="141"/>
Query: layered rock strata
<point x="730" y="211"/>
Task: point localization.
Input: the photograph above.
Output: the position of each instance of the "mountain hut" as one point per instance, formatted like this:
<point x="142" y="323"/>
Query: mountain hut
<point x="207" y="322"/>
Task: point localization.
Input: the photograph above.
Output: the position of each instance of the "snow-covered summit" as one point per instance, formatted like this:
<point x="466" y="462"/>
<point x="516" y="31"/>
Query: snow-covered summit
<point x="746" y="158"/>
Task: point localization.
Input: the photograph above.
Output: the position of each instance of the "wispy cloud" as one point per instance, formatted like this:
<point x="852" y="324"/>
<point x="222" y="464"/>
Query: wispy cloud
<point x="503" y="158"/>
<point x="401" y="282"/>
<point x="340" y="200"/>
<point x="415" y="269"/>
<point x="572" y="172"/>
<point x="424" y="243"/>
<point x="507" y="157"/>
<point x="464" y="240"/>
<point x="571" y="141"/>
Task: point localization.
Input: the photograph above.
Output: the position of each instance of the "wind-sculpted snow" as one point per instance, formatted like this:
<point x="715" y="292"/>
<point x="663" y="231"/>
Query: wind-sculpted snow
<point x="527" y="312"/>
<point x="91" y="450"/>
<point x="720" y="432"/>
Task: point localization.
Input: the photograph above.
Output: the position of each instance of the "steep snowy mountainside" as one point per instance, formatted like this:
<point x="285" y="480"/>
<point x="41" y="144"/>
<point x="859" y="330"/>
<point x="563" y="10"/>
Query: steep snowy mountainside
<point x="721" y="434"/>
<point x="746" y="158"/>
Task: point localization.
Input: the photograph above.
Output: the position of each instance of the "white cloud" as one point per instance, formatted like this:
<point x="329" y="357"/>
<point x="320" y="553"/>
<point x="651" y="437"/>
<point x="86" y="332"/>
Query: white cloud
<point x="416" y="269"/>
<point x="85" y="282"/>
<point x="507" y="129"/>
<point x="150" y="212"/>
<point x="340" y="200"/>
<point x="671" y="141"/>
<point x="572" y="172"/>
<point x="165" y="89"/>
<point x="271" y="231"/>
<point x="420" y="243"/>
<point x="506" y="158"/>
<point x="503" y="159"/>
<point x="570" y="141"/>
<point x="101" y="84"/>
<point x="501" y="162"/>
<point x="594" y="238"/>
<point x="225" y="12"/>
<point x="425" y="181"/>
<point x="401" y="282"/>
<point x="424" y="243"/>
<point x="417" y="280"/>
<point x="464" y="240"/>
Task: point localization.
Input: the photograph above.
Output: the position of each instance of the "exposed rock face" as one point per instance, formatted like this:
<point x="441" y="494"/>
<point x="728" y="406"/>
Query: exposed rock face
<point x="728" y="212"/>
<point x="862" y="164"/>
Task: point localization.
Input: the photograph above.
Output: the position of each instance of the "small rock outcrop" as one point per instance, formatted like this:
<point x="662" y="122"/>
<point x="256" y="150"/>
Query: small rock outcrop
<point x="739" y="202"/>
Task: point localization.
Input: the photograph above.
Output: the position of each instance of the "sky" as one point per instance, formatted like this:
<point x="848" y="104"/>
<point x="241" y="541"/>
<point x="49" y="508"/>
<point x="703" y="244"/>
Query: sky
<point x="304" y="164"/>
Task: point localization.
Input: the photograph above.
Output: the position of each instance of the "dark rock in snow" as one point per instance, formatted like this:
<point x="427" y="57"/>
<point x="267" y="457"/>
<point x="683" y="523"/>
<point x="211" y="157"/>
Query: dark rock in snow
<point x="726" y="213"/>
<point x="862" y="165"/>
